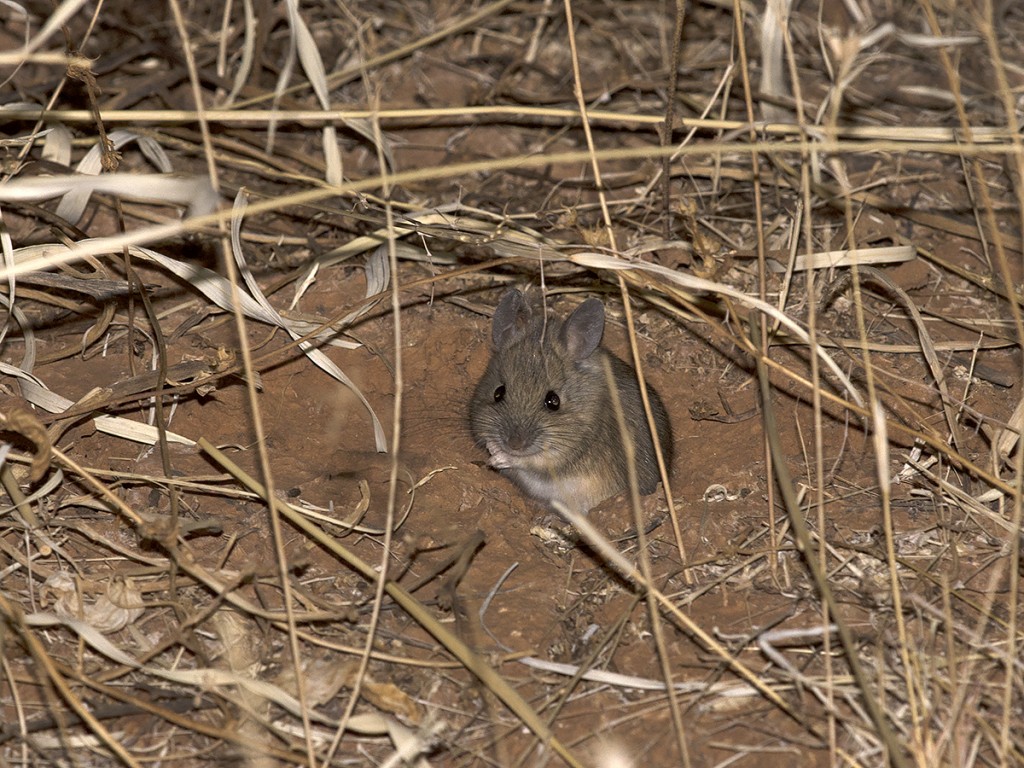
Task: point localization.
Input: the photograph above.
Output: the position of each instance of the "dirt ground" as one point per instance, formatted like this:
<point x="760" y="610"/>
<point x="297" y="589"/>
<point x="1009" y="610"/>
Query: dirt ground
<point x="924" y="575"/>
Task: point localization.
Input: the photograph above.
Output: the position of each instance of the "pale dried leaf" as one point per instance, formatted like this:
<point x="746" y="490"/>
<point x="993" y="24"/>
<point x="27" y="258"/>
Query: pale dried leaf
<point x="322" y="679"/>
<point x="410" y="745"/>
<point x="313" y="353"/>
<point x="304" y="285"/>
<point x="594" y="260"/>
<point x="313" y="66"/>
<point x="202" y="678"/>
<point x="894" y="254"/>
<point x="111" y="612"/>
<point x="773" y="68"/>
<point x="92" y="162"/>
<point x="248" y="52"/>
<point x="194" y="192"/>
<point x="72" y="206"/>
<point x="7" y="250"/>
<point x="35" y="392"/>
<point x="57" y="147"/>
<point x="54" y="21"/>
<point x="332" y="157"/>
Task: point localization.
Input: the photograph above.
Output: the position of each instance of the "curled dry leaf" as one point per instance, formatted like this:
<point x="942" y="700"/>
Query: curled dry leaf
<point x="239" y="642"/>
<point x="16" y="416"/>
<point x="111" y="612"/>
<point x="322" y="679"/>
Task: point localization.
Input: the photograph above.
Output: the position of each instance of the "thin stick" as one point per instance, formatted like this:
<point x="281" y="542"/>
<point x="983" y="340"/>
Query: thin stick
<point x="470" y="660"/>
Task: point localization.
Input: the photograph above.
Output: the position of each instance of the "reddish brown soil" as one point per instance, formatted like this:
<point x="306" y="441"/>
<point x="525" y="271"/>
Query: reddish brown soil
<point x="739" y="573"/>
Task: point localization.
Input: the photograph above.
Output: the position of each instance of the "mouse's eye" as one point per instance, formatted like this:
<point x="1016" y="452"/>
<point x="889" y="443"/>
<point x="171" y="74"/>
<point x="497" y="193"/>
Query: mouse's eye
<point x="551" y="401"/>
<point x="499" y="393"/>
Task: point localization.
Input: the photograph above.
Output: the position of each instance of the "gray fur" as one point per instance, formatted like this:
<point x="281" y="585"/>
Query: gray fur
<point x="575" y="454"/>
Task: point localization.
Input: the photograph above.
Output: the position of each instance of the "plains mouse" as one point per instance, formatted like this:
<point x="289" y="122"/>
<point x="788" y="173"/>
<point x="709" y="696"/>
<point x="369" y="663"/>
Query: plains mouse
<point x="544" y="412"/>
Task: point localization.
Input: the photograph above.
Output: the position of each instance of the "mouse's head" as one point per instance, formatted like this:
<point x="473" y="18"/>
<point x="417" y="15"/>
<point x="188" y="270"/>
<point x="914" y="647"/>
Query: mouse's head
<point x="543" y="385"/>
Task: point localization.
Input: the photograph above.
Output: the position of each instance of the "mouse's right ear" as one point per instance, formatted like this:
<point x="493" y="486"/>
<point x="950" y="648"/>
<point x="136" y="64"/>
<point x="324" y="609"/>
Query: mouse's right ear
<point x="510" y="318"/>
<point x="583" y="329"/>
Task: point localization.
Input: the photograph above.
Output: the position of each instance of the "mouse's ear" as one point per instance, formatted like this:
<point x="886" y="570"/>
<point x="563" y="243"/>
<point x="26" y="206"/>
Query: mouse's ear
<point x="583" y="330"/>
<point x="510" y="318"/>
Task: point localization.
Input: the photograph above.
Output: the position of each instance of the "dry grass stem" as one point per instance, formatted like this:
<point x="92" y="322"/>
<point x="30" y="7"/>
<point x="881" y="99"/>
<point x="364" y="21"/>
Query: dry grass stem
<point x="250" y="257"/>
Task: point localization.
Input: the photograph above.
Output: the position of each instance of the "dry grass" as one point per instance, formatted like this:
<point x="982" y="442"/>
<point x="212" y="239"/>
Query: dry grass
<point x="829" y="197"/>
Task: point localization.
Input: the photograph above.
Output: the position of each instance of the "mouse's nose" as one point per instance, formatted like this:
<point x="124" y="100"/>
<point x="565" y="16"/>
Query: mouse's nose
<point x="521" y="438"/>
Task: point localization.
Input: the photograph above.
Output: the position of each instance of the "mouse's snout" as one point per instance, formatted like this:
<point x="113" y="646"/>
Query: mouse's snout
<point x="520" y="438"/>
